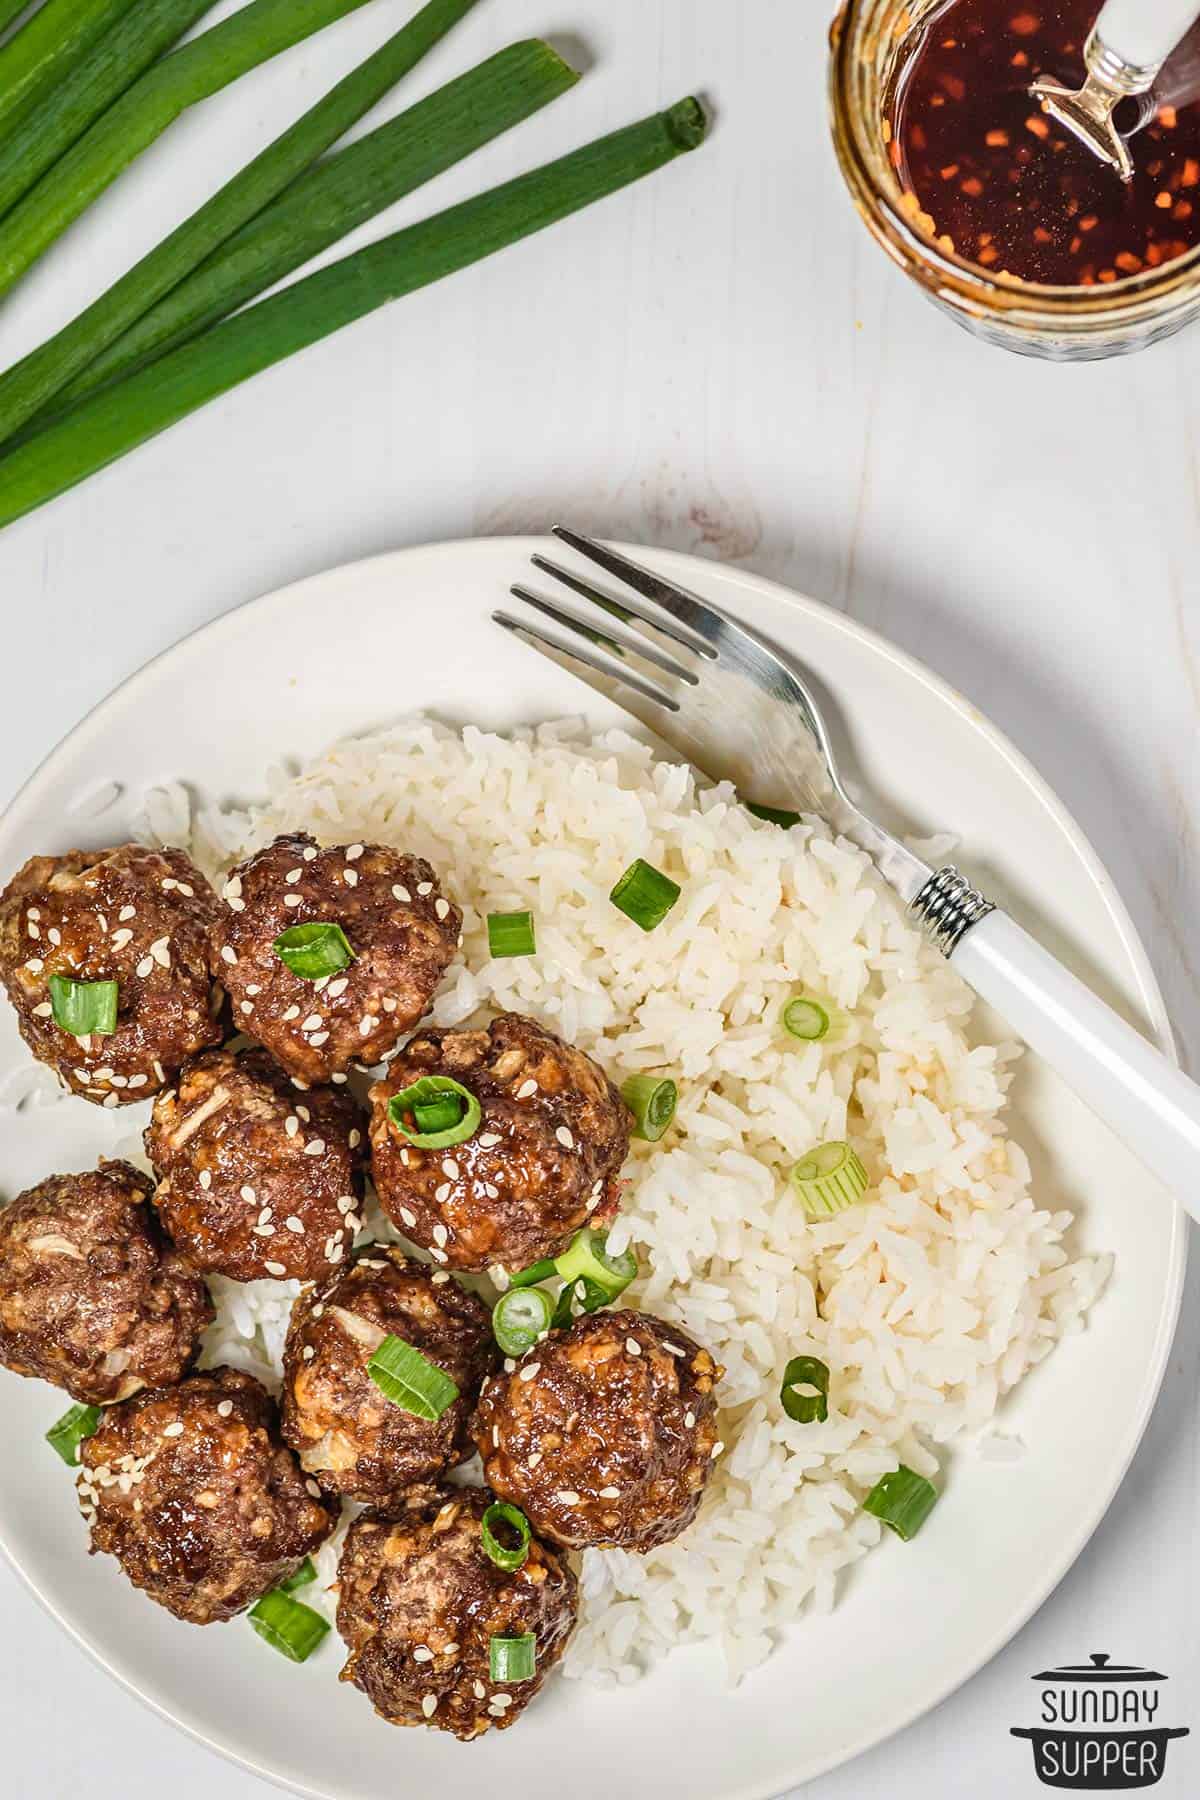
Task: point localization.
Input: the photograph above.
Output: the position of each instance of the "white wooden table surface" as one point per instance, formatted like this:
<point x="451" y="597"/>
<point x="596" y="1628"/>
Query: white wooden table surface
<point x="719" y="361"/>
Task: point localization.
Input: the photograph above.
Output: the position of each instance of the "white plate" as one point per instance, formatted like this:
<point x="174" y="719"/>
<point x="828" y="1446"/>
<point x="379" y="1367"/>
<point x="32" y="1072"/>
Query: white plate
<point x="356" y="648"/>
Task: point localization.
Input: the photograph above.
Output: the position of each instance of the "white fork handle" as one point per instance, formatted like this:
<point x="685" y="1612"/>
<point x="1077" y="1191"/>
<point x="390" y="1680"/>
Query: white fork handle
<point x="1149" y="1103"/>
<point x="1143" y="33"/>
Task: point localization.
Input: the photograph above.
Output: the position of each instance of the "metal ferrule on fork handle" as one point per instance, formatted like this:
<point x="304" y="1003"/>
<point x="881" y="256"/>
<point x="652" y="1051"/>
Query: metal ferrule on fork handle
<point x="947" y="907"/>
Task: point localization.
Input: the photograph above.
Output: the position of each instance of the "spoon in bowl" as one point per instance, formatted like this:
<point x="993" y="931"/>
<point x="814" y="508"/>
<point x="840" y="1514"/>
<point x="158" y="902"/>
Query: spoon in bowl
<point x="1127" y="47"/>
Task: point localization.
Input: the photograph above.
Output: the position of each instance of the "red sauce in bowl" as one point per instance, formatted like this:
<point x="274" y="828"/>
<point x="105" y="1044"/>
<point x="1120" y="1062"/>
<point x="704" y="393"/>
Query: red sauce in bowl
<point x="1005" y="186"/>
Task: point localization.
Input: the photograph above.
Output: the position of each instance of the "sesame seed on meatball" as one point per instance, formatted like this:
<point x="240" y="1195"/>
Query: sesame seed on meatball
<point x="138" y="917"/>
<point x="346" y="1432"/>
<point x="420" y="1600"/>
<point x="400" y="928"/>
<point x="256" y="1180"/>
<point x="92" y="1296"/>
<point x="604" y="1434"/>
<point x="543" y="1161"/>
<point x="191" y="1490"/>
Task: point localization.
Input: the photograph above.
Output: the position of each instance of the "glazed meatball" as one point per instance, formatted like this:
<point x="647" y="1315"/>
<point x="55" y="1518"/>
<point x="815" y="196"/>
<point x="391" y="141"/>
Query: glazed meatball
<point x="92" y="1297"/>
<point x="420" y="1600"/>
<point x="255" y="1181"/>
<point x="604" y="1434"/>
<point x="543" y="1161"/>
<point x="141" y="918"/>
<point x="344" y="1429"/>
<point x="401" y="930"/>
<point x="191" y="1490"/>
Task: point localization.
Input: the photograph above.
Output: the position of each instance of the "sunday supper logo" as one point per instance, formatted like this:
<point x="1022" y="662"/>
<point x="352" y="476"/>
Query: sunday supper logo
<point x="1100" y="1726"/>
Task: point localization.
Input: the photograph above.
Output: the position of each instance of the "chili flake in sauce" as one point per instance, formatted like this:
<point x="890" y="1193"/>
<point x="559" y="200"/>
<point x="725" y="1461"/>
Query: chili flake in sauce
<point x="1002" y="184"/>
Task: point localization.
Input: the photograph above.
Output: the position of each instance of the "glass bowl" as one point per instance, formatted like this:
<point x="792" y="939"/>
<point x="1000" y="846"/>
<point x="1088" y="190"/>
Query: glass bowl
<point x="869" y="42"/>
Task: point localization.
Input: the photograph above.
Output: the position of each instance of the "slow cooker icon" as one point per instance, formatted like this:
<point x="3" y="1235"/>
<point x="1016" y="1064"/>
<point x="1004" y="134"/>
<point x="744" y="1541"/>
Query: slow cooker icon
<point x="1099" y="1726"/>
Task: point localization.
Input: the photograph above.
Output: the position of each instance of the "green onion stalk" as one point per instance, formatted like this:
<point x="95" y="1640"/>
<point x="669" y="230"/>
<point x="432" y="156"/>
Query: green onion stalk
<point x="54" y="42"/>
<point x="124" y="54"/>
<point x="251" y="37"/>
<point x="9" y="10"/>
<point x="114" y="422"/>
<point x="332" y="200"/>
<point x="26" y="388"/>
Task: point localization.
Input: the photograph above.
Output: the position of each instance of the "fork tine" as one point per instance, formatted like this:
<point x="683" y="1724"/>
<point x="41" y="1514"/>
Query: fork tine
<point x="663" y="633"/>
<point x="625" y="651"/>
<point x="622" y="687"/>
<point x="681" y="606"/>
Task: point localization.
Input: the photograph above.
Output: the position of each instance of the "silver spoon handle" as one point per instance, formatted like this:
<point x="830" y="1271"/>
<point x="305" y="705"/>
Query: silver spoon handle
<point x="1151" y="1105"/>
<point x="1137" y="36"/>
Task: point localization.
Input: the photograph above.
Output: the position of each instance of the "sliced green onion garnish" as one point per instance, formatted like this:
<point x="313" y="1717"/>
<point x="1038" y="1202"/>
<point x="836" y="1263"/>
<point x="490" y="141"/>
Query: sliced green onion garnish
<point x="807" y="1019"/>
<point x="578" y="1297"/>
<point x="519" y="1319"/>
<point x="443" y="1115"/>
<point x="564" y="1316"/>
<point x="288" y="1625"/>
<point x="587" y="1256"/>
<point x="424" y="1095"/>
<point x="512" y="1658"/>
<point x="314" y="950"/>
<point x="652" y="1100"/>
<point x="410" y="1380"/>
<point x="773" y="815"/>
<point x="511" y="934"/>
<point x="538" y="1271"/>
<point x="903" y="1501"/>
<point x="305" y="1575"/>
<point x="505" y="1556"/>
<point x="829" y="1179"/>
<point x="645" y="895"/>
<point x="67" y="1433"/>
<point x="84" y="1007"/>
<point x="807" y="1372"/>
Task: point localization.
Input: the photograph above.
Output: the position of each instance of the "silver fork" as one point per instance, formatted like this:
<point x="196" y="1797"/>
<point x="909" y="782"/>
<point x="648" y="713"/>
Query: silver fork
<point x="739" y="711"/>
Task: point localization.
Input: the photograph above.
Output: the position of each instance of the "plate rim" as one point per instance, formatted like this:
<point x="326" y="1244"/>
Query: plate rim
<point x="690" y="569"/>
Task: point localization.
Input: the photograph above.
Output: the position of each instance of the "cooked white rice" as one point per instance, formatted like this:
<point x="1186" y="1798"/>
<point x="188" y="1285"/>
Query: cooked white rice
<point x="928" y="1302"/>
